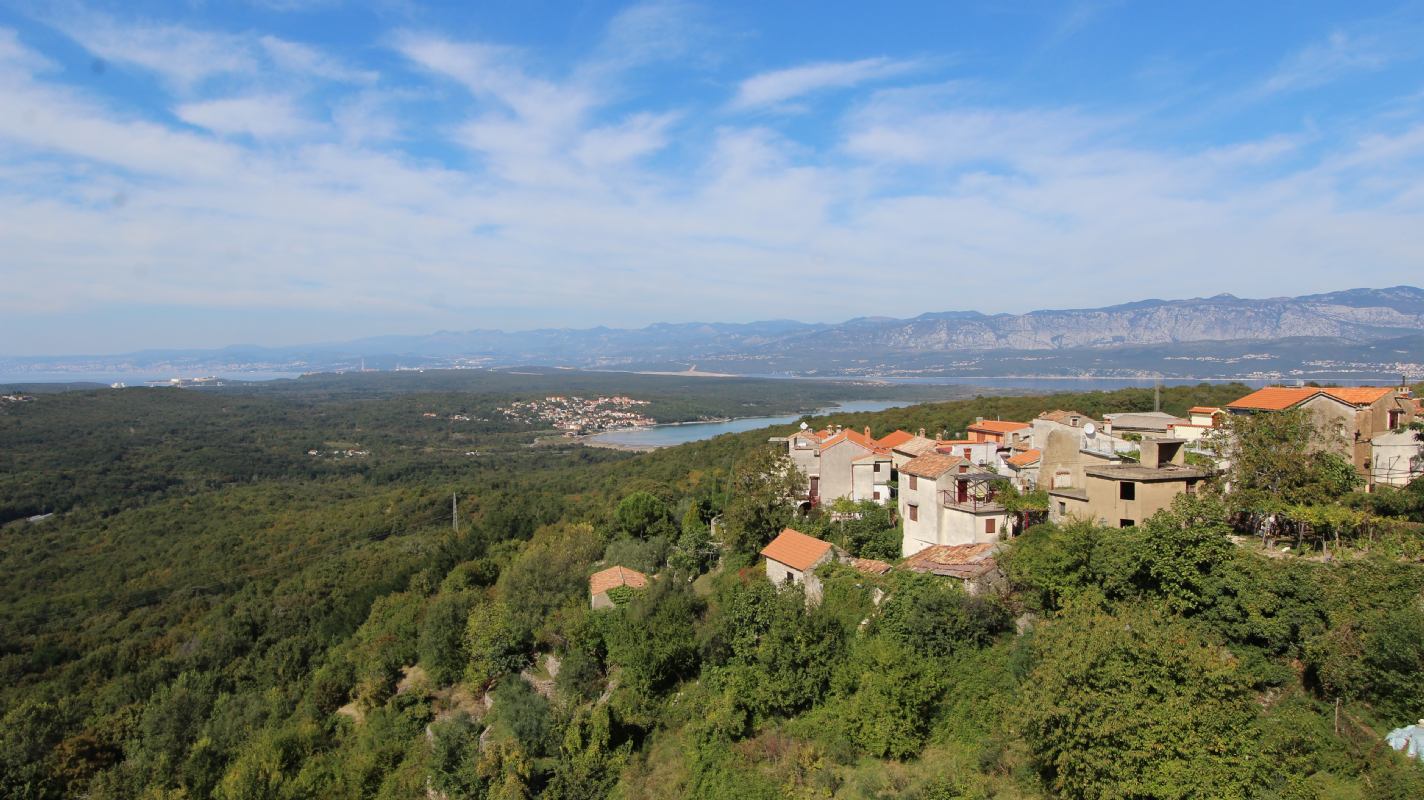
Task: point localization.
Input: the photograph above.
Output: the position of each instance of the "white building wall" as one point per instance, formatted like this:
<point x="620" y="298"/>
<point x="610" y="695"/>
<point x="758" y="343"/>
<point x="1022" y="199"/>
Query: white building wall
<point x="924" y="532"/>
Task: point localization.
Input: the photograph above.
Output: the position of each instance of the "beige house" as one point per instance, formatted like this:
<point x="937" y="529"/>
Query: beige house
<point x="1022" y="467"/>
<point x="1201" y="422"/>
<point x="599" y="583"/>
<point x="1123" y="494"/>
<point x="1086" y="431"/>
<point x="943" y="501"/>
<point x="1355" y="416"/>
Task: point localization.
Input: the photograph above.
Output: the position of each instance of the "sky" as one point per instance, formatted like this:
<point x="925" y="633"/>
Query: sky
<point x="288" y="171"/>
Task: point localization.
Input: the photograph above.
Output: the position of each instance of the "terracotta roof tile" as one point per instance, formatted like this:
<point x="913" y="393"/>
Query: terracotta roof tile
<point x="1278" y="398"/>
<point x="1274" y="398"/>
<point x="998" y="426"/>
<point x="1060" y="416"/>
<point x="854" y="437"/>
<point x="795" y="549"/>
<point x="1360" y="395"/>
<point x="930" y="465"/>
<point x="954" y="560"/>
<point x="1203" y="410"/>
<point x="895" y="438"/>
<point x="613" y="577"/>
<point x="1025" y="458"/>
<point x="870" y="566"/>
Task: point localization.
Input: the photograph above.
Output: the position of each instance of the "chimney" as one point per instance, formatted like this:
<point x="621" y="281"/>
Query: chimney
<point x="978" y="420"/>
<point x="922" y="433"/>
<point x="867" y="431"/>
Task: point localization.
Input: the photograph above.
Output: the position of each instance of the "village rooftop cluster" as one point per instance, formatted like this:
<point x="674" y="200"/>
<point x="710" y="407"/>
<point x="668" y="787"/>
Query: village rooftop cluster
<point x="577" y="416"/>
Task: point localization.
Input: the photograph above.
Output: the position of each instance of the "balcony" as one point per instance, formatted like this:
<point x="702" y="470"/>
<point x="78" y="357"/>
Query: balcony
<point x="975" y="492"/>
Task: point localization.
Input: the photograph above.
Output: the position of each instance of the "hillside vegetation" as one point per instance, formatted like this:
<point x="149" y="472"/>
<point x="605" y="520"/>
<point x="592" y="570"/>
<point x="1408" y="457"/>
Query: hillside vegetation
<point x="217" y="614"/>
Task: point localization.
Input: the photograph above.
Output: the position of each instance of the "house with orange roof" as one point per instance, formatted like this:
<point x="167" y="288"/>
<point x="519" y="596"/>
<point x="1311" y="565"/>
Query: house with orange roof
<point x="1352" y="416"/>
<point x="1022" y="467"/>
<point x="792" y="557"/>
<point x="945" y="499"/>
<point x="844" y="463"/>
<point x="998" y="431"/>
<point x="601" y="582"/>
<point x="1201" y="422"/>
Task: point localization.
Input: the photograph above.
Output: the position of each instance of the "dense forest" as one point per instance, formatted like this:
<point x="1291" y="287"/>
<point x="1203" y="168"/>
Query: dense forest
<point x="216" y="613"/>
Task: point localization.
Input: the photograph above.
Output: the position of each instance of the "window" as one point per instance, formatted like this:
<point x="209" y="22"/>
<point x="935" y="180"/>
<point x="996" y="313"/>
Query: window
<point x="968" y="453"/>
<point x="1191" y="487"/>
<point x="914" y="513"/>
<point x="989" y="526"/>
<point x="1394" y="418"/>
<point x="914" y="484"/>
<point x="1062" y="507"/>
<point x="877" y="467"/>
<point x="875" y="495"/>
<point x="1126" y="491"/>
<point x="1125" y="523"/>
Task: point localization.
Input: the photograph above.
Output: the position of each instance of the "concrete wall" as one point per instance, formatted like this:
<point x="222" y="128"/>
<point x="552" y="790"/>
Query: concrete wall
<point x="958" y="526"/>
<point x="866" y="482"/>
<point x="1106" y="506"/>
<point x="836" y="469"/>
<point x="1065" y="509"/>
<point x="925" y="531"/>
<point x="1397" y="458"/>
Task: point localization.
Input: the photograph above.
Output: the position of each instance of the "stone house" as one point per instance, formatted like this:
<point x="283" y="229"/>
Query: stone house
<point x="599" y="584"/>
<point x="1398" y="458"/>
<point x="792" y="557"/>
<point x="973" y="565"/>
<point x="1352" y="416"/>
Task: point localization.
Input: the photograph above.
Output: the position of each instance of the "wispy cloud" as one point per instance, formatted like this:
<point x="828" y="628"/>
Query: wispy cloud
<point x="262" y="117"/>
<point x="781" y="86"/>
<point x="1341" y="54"/>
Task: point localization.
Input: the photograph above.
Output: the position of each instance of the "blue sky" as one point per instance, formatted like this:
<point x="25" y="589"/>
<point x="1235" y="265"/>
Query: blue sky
<point x="278" y="172"/>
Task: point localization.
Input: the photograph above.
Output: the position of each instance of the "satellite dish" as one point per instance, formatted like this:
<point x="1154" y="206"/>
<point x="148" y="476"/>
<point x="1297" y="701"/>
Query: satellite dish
<point x="804" y="426"/>
<point x="1090" y="429"/>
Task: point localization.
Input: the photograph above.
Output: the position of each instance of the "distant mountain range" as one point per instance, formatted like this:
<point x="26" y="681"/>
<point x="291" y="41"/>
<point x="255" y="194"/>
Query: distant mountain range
<point x="1349" y="332"/>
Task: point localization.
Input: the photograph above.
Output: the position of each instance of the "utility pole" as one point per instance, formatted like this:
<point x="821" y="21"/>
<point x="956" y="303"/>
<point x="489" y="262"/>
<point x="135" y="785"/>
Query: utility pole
<point x="1157" y="394"/>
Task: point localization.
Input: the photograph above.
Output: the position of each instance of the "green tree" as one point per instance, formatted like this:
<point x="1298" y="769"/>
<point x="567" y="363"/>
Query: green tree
<point x="442" y="647"/>
<point x="497" y="644"/>
<point x="764" y="487"/>
<point x="642" y="515"/>
<point x="1137" y="704"/>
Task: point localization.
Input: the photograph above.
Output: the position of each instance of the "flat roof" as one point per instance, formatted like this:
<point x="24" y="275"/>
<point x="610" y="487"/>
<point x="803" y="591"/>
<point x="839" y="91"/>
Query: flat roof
<point x="1137" y="472"/>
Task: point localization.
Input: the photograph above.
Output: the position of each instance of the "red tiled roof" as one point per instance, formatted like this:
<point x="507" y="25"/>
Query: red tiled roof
<point x="1274" y="398"/>
<point x="1360" y="395"/>
<point x="1025" y="458"/>
<point x="954" y="560"/>
<point x="854" y="437"/>
<point x="930" y="465"/>
<point x="915" y="446"/>
<point x="1203" y="410"/>
<point x="1060" y="416"/>
<point x="870" y="566"/>
<point x="795" y="549"/>
<point x="895" y="438"/>
<point x="613" y="577"/>
<point x="1279" y="398"/>
<point x="998" y="426"/>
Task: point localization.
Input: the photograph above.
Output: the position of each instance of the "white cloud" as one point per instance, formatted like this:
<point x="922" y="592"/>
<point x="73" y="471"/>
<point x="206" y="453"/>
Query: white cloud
<point x="295" y="57"/>
<point x="262" y="117"/>
<point x="573" y="215"/>
<point x="1342" y="53"/>
<point x="774" y="88"/>
<point x="183" y="56"/>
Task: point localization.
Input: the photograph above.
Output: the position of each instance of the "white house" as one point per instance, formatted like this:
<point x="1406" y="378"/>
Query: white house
<point x="944" y="501"/>
<point x="1398" y="457"/>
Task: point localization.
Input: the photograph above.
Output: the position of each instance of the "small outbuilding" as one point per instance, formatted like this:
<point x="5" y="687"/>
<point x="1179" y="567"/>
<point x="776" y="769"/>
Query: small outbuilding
<point x="792" y="557"/>
<point x="973" y="565"/>
<point x="602" y="582"/>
